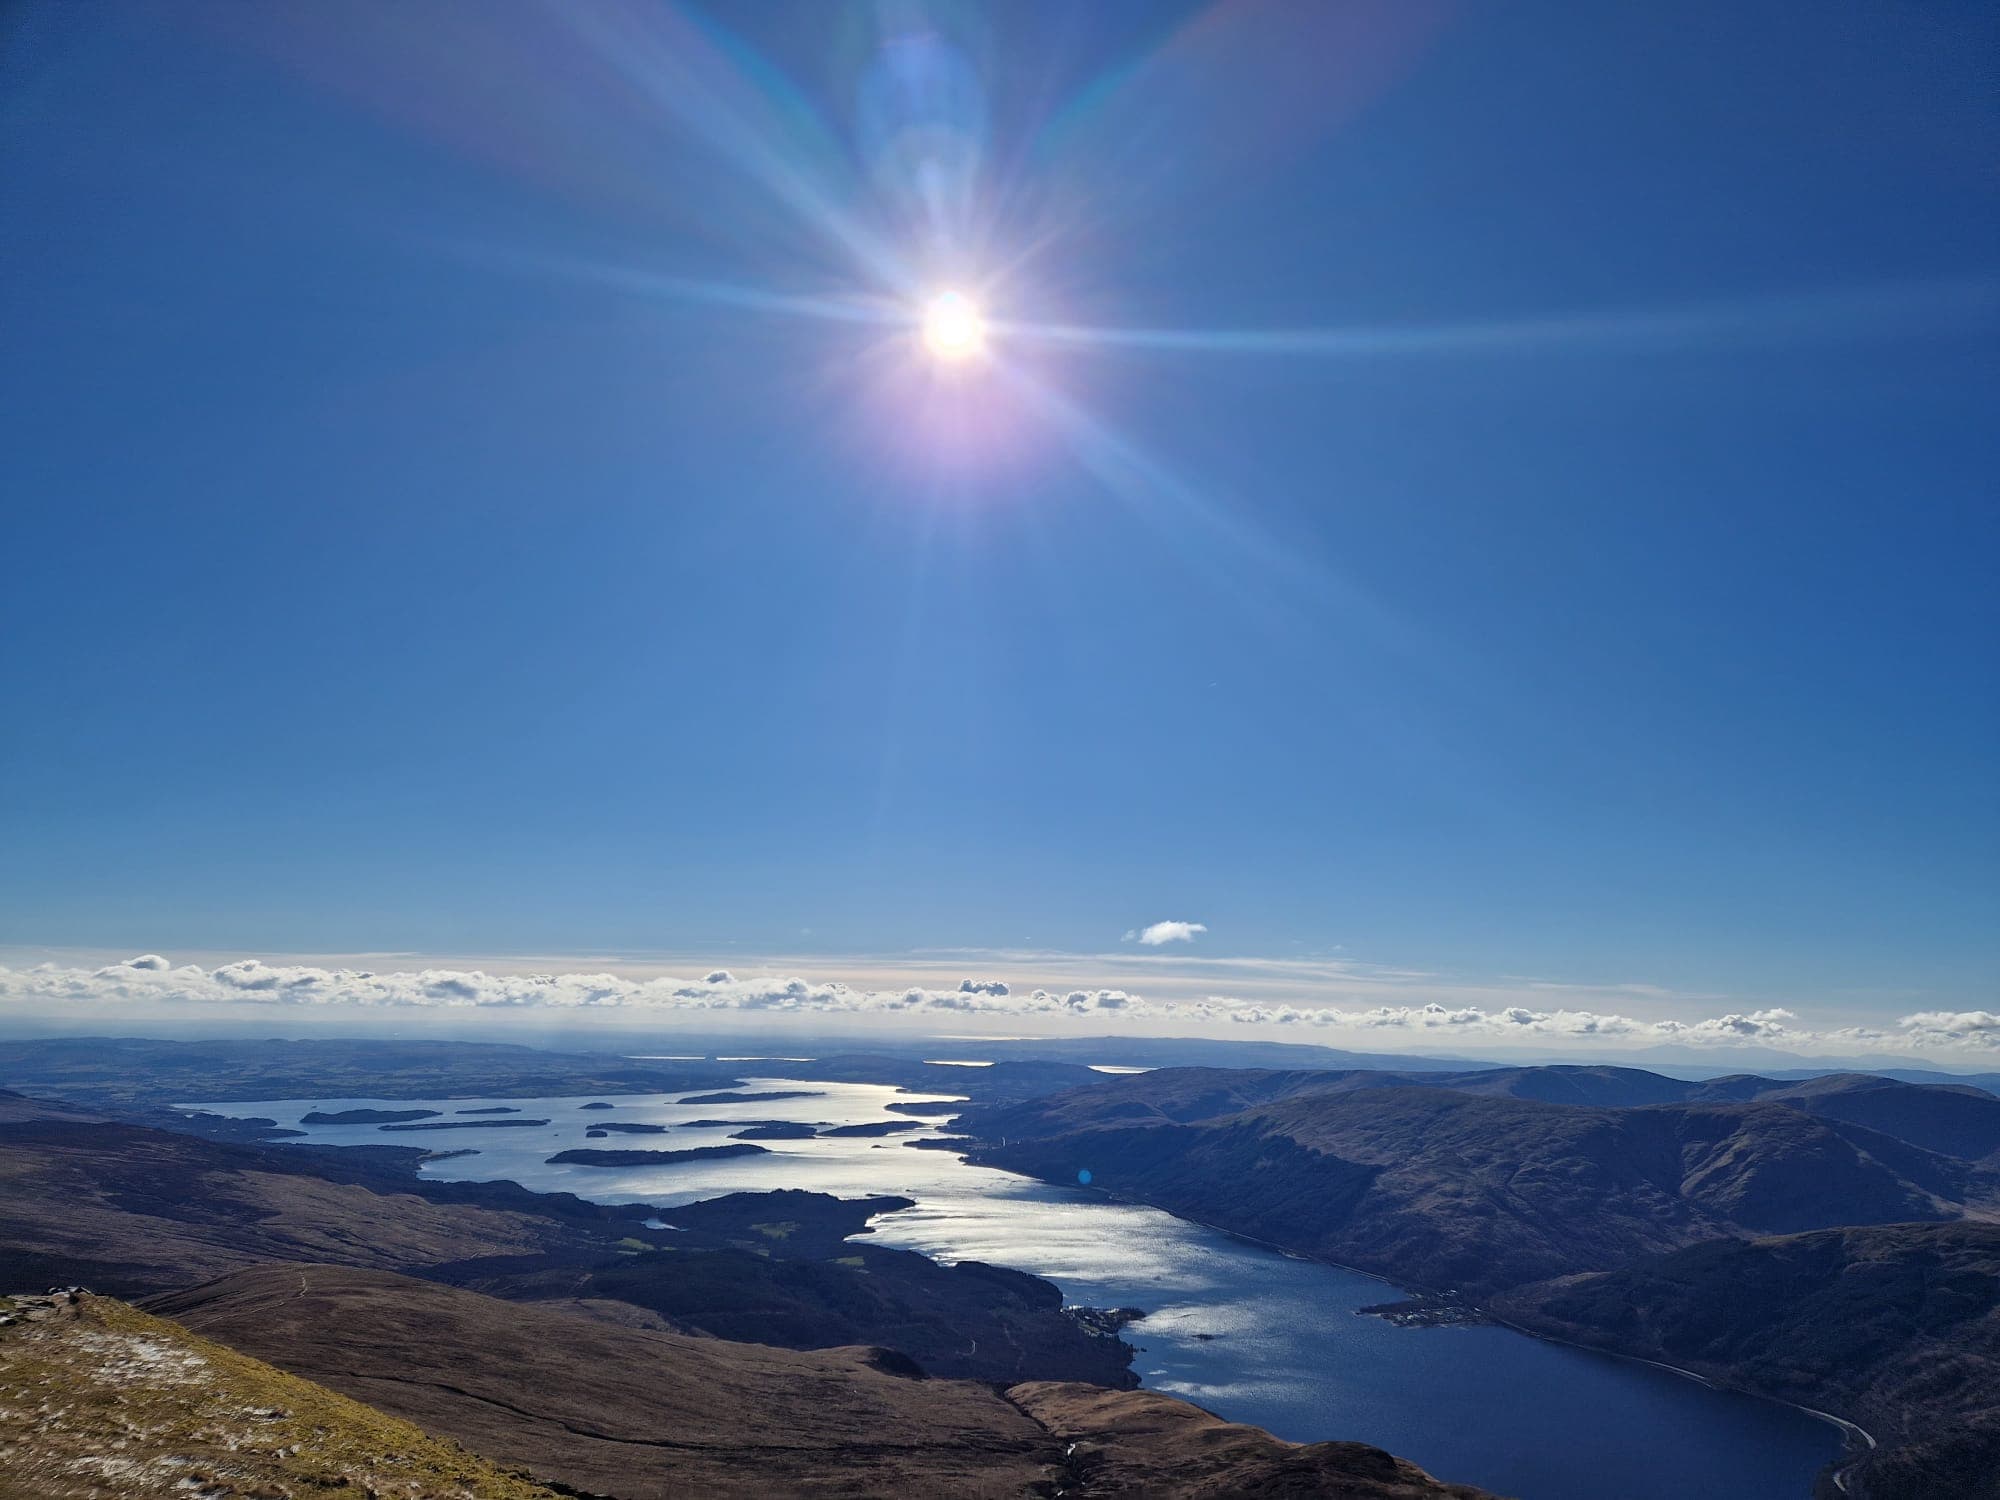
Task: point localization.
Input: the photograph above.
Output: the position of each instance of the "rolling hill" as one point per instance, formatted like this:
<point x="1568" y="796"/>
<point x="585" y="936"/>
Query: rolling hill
<point x="1444" y="1188"/>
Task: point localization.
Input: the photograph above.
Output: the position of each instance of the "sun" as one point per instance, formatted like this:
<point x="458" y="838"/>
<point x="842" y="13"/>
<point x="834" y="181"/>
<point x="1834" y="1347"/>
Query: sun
<point x="954" y="329"/>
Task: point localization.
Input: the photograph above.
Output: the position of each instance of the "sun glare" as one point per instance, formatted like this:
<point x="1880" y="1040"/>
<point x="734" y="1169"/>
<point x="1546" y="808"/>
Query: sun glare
<point x="953" y="328"/>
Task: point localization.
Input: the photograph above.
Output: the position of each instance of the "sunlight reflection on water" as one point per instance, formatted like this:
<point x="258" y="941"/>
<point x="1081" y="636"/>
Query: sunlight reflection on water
<point x="1257" y="1336"/>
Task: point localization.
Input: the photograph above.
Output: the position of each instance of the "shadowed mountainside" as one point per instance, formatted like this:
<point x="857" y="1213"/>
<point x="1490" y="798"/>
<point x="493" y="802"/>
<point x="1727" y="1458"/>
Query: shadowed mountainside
<point x="1952" y="1119"/>
<point x="1897" y="1326"/>
<point x="639" y="1413"/>
<point x="1449" y="1189"/>
<point x="1646" y="1228"/>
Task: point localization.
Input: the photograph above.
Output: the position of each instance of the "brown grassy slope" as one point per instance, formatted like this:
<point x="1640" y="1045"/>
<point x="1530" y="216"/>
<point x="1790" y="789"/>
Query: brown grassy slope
<point x="624" y="1411"/>
<point x="1142" y="1443"/>
<point x="103" y="1400"/>
<point x="129" y="1210"/>
<point x="640" y="1414"/>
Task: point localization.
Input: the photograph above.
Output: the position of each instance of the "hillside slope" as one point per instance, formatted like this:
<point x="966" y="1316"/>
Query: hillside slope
<point x="644" y="1414"/>
<point x="1952" y="1119"/>
<point x="98" y="1398"/>
<point x="1448" y="1189"/>
<point x="130" y="1210"/>
<point x="1897" y="1327"/>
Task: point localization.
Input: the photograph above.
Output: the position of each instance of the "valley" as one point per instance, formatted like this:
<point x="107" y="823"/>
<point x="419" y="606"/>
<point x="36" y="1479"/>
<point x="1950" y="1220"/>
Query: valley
<point x="981" y="1260"/>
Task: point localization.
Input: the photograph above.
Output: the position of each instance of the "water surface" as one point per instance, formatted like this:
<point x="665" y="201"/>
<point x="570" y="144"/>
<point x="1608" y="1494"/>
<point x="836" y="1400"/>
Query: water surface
<point x="1252" y="1334"/>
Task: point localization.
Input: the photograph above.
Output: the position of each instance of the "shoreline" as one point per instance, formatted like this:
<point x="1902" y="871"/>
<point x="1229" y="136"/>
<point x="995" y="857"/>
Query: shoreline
<point x="1835" y="1470"/>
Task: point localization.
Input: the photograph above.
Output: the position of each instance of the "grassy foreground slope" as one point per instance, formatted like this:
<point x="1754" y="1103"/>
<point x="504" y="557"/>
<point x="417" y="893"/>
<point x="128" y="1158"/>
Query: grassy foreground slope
<point x="100" y="1399"/>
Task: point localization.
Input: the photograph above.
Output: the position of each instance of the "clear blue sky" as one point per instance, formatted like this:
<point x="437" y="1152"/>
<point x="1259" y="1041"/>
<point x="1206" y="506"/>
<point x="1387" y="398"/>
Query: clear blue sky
<point x="403" y="552"/>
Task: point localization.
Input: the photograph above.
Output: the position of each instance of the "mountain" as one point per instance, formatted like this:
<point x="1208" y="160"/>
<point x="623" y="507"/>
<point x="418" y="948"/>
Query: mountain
<point x="1985" y="1082"/>
<point x="1948" y="1118"/>
<point x="1956" y="1119"/>
<point x="1757" y="1231"/>
<point x="1446" y="1188"/>
<point x="641" y="1413"/>
<point x="1896" y="1326"/>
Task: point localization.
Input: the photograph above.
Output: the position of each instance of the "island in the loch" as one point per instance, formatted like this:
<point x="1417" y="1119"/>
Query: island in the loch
<point x="365" y="1116"/>
<point x="1425" y="1310"/>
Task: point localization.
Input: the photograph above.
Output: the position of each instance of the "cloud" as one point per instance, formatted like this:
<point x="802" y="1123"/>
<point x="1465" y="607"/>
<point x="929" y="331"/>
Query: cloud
<point x="1759" y="1025"/>
<point x="1960" y="1028"/>
<point x="151" y="982"/>
<point x="1165" y="932"/>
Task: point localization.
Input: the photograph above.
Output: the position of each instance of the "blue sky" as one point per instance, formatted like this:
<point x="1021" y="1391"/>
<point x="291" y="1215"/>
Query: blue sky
<point x="1504" y="492"/>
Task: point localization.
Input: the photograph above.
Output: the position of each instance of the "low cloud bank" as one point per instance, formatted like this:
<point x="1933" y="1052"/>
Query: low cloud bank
<point x="150" y="980"/>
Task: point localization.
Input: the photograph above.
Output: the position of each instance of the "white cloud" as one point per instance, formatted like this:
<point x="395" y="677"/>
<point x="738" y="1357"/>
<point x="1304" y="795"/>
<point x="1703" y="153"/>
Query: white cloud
<point x="1424" y="1012"/>
<point x="1759" y="1025"/>
<point x="1165" y="932"/>
<point x="1952" y="1028"/>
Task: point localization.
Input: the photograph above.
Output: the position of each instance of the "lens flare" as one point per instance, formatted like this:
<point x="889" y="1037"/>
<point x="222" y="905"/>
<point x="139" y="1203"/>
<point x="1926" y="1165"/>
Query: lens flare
<point x="953" y="327"/>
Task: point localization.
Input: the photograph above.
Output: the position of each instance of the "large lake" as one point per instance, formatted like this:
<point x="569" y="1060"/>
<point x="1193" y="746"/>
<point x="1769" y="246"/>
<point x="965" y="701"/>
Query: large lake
<point x="1248" y="1333"/>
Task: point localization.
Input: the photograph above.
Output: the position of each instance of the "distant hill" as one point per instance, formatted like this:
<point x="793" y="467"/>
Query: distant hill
<point x="1183" y="1052"/>
<point x="127" y="1072"/>
<point x="1453" y="1188"/>
<point x="1954" y="1119"/>
<point x="1898" y="1326"/>
<point x="1614" y="1207"/>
